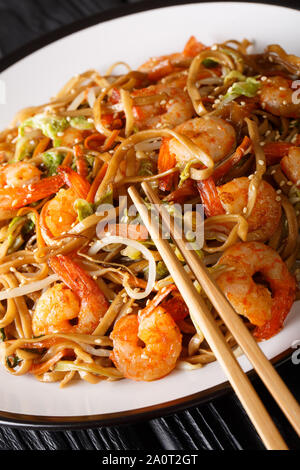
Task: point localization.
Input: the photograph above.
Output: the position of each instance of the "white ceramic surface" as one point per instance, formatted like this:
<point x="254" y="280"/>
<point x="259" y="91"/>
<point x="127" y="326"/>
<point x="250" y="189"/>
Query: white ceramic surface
<point x="134" y="39"/>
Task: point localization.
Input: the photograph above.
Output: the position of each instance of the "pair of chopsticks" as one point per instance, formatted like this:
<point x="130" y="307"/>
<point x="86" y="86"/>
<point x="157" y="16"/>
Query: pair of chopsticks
<point x="203" y="319"/>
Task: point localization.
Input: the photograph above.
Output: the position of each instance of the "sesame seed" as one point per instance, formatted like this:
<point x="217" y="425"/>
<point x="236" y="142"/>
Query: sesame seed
<point x="278" y="198"/>
<point x="278" y="191"/>
<point x="214" y="47"/>
<point x="263" y="78"/>
<point x="261" y="162"/>
<point x="273" y="172"/>
<point x="284" y="102"/>
<point x="282" y="183"/>
<point x="244" y="210"/>
<point x="289" y="183"/>
<point x="282" y="88"/>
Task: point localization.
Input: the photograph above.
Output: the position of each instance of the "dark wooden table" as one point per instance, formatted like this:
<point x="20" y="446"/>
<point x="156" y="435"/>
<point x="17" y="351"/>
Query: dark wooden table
<point x="220" y="423"/>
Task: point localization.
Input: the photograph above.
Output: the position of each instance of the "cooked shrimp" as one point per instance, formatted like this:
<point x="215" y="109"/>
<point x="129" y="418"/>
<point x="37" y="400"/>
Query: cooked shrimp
<point x="61" y="306"/>
<point x="276" y="96"/>
<point x="265" y="307"/>
<point x="155" y="327"/>
<point x="12" y="197"/>
<point x="59" y="214"/>
<point x="290" y="165"/>
<point x="159" y="67"/>
<point x="265" y="216"/>
<point x="162" y="105"/>
<point x="213" y="135"/>
<point x="18" y="174"/>
<point x="72" y="136"/>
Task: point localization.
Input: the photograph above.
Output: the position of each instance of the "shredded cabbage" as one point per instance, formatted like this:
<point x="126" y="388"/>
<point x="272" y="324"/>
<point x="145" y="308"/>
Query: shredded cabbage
<point x="83" y="208"/>
<point x="249" y="87"/>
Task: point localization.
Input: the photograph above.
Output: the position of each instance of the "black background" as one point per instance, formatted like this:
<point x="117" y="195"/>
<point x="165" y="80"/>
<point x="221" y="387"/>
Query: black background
<point x="220" y="423"/>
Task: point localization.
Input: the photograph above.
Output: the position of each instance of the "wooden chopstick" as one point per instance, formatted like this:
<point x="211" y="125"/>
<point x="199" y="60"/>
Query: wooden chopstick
<point x="235" y="325"/>
<point x="204" y="321"/>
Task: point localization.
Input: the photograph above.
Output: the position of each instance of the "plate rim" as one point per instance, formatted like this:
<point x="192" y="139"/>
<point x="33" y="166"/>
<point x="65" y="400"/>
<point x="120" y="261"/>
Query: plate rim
<point x="40" y="422"/>
<point x="63" y="423"/>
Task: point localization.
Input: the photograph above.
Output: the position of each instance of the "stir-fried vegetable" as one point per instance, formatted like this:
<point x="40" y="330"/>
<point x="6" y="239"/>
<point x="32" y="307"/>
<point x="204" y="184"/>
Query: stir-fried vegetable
<point x="52" y="160"/>
<point x="51" y="126"/>
<point x="83" y="208"/>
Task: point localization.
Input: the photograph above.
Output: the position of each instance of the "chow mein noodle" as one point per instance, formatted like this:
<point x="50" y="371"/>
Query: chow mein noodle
<point x="84" y="291"/>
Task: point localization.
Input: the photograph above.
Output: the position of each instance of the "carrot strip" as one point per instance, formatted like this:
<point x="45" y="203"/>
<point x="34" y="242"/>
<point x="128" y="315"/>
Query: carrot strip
<point x="98" y="140"/>
<point x="96" y="183"/>
<point x="165" y="162"/>
<point x="68" y="159"/>
<point x="110" y="141"/>
<point x="81" y="163"/>
<point x="39" y="369"/>
<point x="41" y="146"/>
<point x="226" y="166"/>
<point x="210" y="197"/>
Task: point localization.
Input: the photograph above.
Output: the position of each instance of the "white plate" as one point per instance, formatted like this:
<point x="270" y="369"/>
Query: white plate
<point x="133" y="39"/>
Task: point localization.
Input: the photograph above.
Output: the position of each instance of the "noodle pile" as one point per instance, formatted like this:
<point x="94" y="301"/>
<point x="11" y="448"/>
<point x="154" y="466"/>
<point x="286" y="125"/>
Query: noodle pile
<point x="110" y="129"/>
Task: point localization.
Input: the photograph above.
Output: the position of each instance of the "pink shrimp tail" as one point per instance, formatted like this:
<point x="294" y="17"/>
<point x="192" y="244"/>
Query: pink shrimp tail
<point x="15" y="198"/>
<point x="79" y="281"/>
<point x="282" y="303"/>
